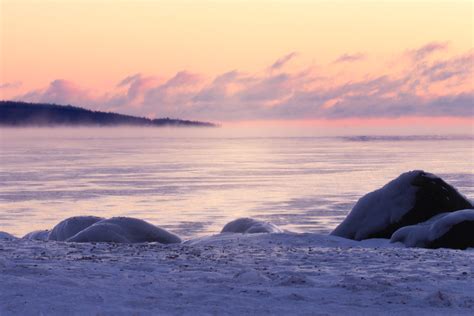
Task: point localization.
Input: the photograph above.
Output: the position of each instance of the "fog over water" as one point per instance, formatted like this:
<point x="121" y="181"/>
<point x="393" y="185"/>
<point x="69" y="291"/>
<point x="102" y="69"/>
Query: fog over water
<point x="193" y="181"/>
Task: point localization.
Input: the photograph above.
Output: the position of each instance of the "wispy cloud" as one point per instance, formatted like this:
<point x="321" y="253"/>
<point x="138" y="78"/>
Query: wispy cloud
<point x="129" y="79"/>
<point x="347" y="58"/>
<point x="460" y="66"/>
<point x="62" y="92"/>
<point x="283" y="60"/>
<point x="435" y="87"/>
<point x="10" y="85"/>
<point x="428" y="49"/>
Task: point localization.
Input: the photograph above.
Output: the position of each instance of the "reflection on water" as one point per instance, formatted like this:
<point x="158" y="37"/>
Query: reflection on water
<point x="194" y="185"/>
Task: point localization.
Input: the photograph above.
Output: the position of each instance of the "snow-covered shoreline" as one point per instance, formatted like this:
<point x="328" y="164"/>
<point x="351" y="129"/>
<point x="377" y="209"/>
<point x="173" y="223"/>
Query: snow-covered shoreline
<point x="122" y="265"/>
<point x="281" y="273"/>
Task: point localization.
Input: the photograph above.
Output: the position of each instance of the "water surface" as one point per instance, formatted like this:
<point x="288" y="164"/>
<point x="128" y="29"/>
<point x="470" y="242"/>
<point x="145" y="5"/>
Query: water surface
<point x="193" y="185"/>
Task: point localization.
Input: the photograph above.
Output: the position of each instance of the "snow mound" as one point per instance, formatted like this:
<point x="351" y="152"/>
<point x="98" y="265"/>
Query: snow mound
<point x="37" y="235"/>
<point x="412" y="198"/>
<point x="6" y="236"/>
<point x="71" y="226"/>
<point x="124" y="230"/>
<point x="448" y="230"/>
<point x="289" y="239"/>
<point x="250" y="226"/>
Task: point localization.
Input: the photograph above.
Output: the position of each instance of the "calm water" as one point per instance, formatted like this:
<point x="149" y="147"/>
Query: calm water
<point x="194" y="185"/>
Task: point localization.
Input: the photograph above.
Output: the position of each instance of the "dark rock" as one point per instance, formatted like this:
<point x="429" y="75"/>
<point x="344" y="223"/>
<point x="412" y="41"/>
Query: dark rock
<point x="448" y="230"/>
<point x="459" y="236"/>
<point x="412" y="198"/>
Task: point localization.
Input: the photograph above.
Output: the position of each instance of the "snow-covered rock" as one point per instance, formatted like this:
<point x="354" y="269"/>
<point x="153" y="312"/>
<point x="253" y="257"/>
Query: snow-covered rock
<point x="250" y="226"/>
<point x="124" y="230"/>
<point x="71" y="226"/>
<point x="6" y="236"/>
<point x="412" y="198"/>
<point x="447" y="230"/>
<point x="37" y="235"/>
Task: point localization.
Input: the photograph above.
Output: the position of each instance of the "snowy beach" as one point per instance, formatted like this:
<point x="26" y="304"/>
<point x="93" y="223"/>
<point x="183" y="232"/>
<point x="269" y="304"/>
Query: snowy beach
<point x="297" y="274"/>
<point x="297" y="189"/>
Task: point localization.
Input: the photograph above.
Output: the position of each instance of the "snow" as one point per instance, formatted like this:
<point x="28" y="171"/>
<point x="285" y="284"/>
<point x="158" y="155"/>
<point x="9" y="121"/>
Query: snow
<point x="124" y="265"/>
<point x="250" y="226"/>
<point x="124" y="230"/>
<point x="376" y="210"/>
<point x="234" y="274"/>
<point x="6" y="236"/>
<point x="412" y="198"/>
<point x="38" y="235"/>
<point x="71" y="226"/>
<point x="115" y="229"/>
<point x="423" y="234"/>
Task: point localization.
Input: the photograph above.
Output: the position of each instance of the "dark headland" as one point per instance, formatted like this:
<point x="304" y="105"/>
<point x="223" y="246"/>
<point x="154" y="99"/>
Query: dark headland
<point x="19" y="114"/>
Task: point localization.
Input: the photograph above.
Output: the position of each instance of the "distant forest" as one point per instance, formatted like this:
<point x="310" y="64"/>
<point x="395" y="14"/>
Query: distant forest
<point x="17" y="114"/>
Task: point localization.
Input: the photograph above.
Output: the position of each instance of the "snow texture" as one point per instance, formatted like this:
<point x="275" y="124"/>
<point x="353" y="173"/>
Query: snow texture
<point x="6" y="236"/>
<point x="124" y="230"/>
<point x="411" y="198"/>
<point x="235" y="274"/>
<point x="71" y="226"/>
<point x="375" y="210"/>
<point x="37" y="235"/>
<point x="250" y="226"/>
<point x="426" y="234"/>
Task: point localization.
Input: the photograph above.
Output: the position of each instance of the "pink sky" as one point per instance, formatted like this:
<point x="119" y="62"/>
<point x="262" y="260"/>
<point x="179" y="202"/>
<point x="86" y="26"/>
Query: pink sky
<point x="241" y="61"/>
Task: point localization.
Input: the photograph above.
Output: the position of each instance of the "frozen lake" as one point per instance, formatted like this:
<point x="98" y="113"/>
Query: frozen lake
<point x="193" y="182"/>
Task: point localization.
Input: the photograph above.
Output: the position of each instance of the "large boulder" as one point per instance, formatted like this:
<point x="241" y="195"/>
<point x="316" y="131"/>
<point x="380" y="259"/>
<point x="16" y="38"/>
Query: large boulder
<point x="448" y="230"/>
<point x="412" y="198"/>
<point x="71" y="226"/>
<point x="37" y="235"/>
<point x="250" y="226"/>
<point x="124" y="230"/>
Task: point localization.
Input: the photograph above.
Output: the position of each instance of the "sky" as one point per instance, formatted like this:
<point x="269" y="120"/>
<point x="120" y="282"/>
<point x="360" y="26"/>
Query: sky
<point x="302" y="62"/>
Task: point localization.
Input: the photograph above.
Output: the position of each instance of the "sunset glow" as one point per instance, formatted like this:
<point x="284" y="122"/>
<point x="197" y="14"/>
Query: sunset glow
<point x="232" y="61"/>
<point x="236" y="157"/>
